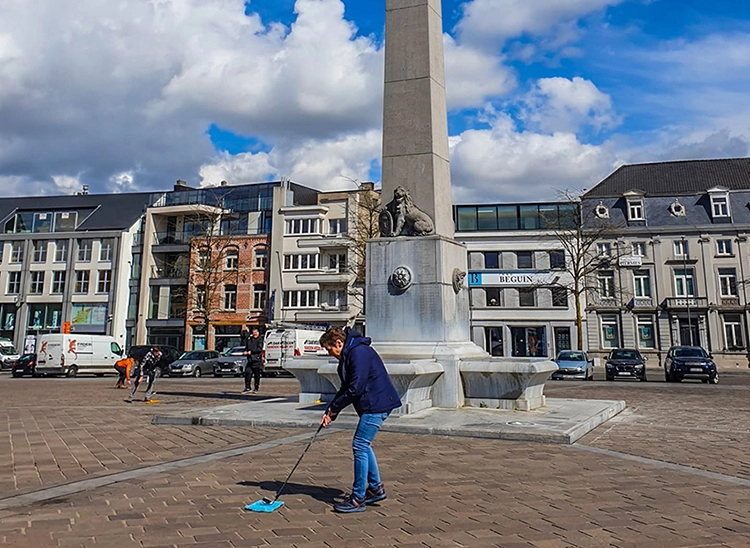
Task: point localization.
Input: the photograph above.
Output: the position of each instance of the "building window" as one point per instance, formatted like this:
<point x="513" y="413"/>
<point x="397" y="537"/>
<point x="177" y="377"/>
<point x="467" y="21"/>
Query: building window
<point x="528" y="341"/>
<point x="58" y="281"/>
<point x="2" y="249"/>
<point x="307" y="261"/>
<point x="200" y="298"/>
<point x="105" y="251"/>
<point x="301" y="299"/>
<point x="302" y="226"/>
<point x="491" y="259"/>
<point x="525" y="259"/>
<point x="684" y="285"/>
<point x="606" y="284"/>
<point x="723" y="247"/>
<point x="493" y="337"/>
<point x="526" y="297"/>
<point x="16" y="252"/>
<point x="259" y="297"/>
<point x="728" y="282"/>
<point x="604" y="249"/>
<point x="720" y="205"/>
<point x="639" y="249"/>
<point x="105" y="281"/>
<point x="337" y="262"/>
<point x="646" y="335"/>
<point x="336" y="300"/>
<point x="232" y="259"/>
<point x="65" y="221"/>
<point x="635" y="210"/>
<point x="337" y="226"/>
<point x="557" y="260"/>
<point x="610" y="332"/>
<point x="61" y="251"/>
<point x="36" y="286"/>
<point x="642" y="283"/>
<point x="680" y="248"/>
<point x="14" y="283"/>
<point x="82" y="281"/>
<point x="230" y="297"/>
<point x="560" y="297"/>
<point x="204" y="259"/>
<point x="733" y="332"/>
<point x="493" y="296"/>
<point x="261" y="257"/>
<point x="40" y="251"/>
<point x="84" y="250"/>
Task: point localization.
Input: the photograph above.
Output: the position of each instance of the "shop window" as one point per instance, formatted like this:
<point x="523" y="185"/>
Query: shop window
<point x="610" y="332"/>
<point x="733" y="332"/>
<point x="646" y="334"/>
<point x="529" y="341"/>
<point x="493" y="337"/>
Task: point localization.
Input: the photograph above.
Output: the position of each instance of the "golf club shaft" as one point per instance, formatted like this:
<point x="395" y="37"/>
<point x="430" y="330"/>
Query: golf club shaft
<point x="278" y="493"/>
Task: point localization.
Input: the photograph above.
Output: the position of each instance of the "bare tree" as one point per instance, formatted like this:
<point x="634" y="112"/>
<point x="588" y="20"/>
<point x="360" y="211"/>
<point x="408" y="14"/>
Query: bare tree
<point x="586" y="243"/>
<point x="363" y="227"/>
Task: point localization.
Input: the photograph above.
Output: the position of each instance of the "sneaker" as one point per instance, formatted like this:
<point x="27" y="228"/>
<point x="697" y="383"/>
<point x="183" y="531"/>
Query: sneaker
<point x="255" y="391"/>
<point x="349" y="506"/>
<point x="246" y="391"/>
<point x="375" y="495"/>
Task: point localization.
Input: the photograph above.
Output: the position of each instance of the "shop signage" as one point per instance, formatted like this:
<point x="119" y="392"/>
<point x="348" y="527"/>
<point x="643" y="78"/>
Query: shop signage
<point x="510" y="278"/>
<point x="630" y="260"/>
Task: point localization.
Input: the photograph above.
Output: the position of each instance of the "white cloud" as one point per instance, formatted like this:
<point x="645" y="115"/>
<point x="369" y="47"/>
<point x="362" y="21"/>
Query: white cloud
<point x="503" y="164"/>
<point x="560" y="104"/>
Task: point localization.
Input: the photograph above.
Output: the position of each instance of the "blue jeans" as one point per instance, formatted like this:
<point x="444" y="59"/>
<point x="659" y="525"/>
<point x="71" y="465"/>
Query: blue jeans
<point x="365" y="466"/>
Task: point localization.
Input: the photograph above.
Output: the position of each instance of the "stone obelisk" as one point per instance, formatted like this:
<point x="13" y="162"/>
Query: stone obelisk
<point x="415" y="120"/>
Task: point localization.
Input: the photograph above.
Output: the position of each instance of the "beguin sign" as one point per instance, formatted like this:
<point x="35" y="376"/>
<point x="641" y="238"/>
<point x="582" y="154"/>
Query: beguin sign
<point x="512" y="278"/>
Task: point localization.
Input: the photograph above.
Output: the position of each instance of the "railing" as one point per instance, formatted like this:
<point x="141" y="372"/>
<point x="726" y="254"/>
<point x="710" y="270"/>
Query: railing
<point x="685" y="302"/>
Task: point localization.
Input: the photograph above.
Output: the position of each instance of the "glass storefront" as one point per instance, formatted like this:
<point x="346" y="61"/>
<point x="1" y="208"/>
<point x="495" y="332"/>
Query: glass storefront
<point x="528" y="342"/>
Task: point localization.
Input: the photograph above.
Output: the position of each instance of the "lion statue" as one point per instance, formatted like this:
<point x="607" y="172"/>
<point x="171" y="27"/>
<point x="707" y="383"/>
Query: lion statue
<point x="402" y="218"/>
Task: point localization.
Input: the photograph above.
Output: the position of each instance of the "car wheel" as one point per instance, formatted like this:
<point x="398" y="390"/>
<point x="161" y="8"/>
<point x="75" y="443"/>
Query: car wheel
<point x="197" y="372"/>
<point x="16" y="374"/>
<point x="72" y="372"/>
<point x="714" y="379"/>
<point x="643" y="378"/>
<point x="217" y="375"/>
<point x="610" y="377"/>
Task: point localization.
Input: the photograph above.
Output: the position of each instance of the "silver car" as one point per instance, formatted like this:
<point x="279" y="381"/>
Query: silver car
<point x="193" y="363"/>
<point x="232" y="362"/>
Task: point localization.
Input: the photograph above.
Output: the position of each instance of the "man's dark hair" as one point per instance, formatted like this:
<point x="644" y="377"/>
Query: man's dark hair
<point x="155" y="349"/>
<point x="332" y="335"/>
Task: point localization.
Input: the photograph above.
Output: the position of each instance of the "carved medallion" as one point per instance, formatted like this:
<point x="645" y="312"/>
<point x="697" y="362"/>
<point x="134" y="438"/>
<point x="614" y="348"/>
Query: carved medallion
<point x="402" y="278"/>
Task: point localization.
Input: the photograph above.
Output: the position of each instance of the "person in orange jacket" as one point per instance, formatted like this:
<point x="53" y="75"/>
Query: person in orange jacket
<point x="123" y="367"/>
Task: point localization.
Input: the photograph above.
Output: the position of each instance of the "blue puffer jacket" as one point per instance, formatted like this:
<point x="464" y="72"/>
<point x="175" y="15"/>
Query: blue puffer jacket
<point x="364" y="380"/>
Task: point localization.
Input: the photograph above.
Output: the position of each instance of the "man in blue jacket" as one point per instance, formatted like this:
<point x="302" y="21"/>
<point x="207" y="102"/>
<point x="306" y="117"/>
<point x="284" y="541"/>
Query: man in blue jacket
<point x="365" y="384"/>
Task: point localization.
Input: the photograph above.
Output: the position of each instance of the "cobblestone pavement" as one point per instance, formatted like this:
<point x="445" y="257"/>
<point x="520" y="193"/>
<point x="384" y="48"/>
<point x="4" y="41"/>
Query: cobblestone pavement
<point x="442" y="491"/>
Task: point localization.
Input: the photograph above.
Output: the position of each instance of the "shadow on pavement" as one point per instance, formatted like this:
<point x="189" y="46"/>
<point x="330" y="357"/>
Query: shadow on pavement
<point x="323" y="494"/>
<point x="216" y="395"/>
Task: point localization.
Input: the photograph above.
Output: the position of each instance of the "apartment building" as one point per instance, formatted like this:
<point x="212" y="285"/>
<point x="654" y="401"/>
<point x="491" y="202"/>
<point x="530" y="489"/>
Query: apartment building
<point x="64" y="262"/>
<point x="673" y="258"/>
<point x="317" y="262"/>
<point x="518" y="281"/>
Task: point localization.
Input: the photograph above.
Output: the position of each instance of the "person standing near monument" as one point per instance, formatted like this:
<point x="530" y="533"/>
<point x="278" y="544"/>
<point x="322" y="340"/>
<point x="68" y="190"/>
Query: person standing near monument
<point x="254" y="353"/>
<point x="365" y="384"/>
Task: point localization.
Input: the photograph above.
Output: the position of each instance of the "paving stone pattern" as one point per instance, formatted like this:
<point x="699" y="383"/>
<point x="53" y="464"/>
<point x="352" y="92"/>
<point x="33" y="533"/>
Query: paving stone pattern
<point x="442" y="491"/>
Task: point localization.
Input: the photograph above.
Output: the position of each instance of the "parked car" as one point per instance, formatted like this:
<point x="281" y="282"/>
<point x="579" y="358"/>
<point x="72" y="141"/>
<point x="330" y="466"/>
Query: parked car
<point x="8" y="354"/>
<point x="168" y="355"/>
<point x="573" y="364"/>
<point x="25" y="365"/>
<point x="193" y="364"/>
<point x="690" y="362"/>
<point x="232" y="362"/>
<point x="625" y="363"/>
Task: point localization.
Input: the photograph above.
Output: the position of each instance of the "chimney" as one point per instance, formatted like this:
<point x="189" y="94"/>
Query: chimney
<point x="224" y="183"/>
<point x="181" y="185"/>
<point x="85" y="190"/>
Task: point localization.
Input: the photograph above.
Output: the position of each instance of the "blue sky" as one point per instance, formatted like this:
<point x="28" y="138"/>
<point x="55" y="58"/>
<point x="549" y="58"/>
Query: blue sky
<point x="544" y="95"/>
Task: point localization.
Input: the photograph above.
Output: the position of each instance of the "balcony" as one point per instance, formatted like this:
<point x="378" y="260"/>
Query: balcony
<point x="327" y="276"/>
<point x="326" y="242"/>
<point x="729" y="302"/>
<point x="683" y="303"/>
<point x="321" y="315"/>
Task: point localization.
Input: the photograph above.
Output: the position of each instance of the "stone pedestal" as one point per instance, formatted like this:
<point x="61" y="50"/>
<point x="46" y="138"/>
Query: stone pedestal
<point x="313" y="387"/>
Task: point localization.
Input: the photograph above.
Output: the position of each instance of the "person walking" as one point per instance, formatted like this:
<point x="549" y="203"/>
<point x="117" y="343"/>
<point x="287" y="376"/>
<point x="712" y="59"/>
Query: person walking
<point x="146" y="368"/>
<point x="365" y="384"/>
<point x="254" y="353"/>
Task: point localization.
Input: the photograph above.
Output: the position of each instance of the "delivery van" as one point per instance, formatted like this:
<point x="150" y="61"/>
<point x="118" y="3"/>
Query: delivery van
<point x="8" y="354"/>
<point x="283" y="344"/>
<point x="70" y="354"/>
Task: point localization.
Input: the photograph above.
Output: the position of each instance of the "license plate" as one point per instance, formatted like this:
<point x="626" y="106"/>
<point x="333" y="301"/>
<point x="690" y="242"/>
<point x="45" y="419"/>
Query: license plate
<point x="623" y="372"/>
<point x="696" y="370"/>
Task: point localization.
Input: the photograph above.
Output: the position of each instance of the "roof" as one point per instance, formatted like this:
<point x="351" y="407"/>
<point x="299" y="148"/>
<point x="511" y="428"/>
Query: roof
<point x="99" y="211"/>
<point x="675" y="178"/>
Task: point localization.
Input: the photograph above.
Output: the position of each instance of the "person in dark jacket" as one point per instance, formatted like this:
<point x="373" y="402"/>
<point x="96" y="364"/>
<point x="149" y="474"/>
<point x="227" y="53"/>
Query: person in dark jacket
<point x="254" y="353"/>
<point x="366" y="385"/>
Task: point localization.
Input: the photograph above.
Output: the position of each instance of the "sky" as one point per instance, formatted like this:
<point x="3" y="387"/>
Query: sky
<point x="544" y="96"/>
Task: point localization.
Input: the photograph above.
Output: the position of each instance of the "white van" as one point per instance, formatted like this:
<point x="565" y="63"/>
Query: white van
<point x="69" y="354"/>
<point x="283" y="344"/>
<point x="8" y="354"/>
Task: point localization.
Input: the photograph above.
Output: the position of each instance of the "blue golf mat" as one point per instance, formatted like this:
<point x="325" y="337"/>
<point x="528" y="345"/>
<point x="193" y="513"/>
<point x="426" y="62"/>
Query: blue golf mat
<point x="263" y="506"/>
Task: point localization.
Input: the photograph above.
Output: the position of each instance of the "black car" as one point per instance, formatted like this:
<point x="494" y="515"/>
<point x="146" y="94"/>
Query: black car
<point x="623" y="363"/>
<point x="168" y="355"/>
<point x="690" y="362"/>
<point x="25" y="365"/>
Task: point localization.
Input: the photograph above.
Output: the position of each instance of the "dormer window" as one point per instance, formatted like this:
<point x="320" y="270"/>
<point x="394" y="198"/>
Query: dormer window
<point x="635" y="210"/>
<point x="720" y="206"/>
